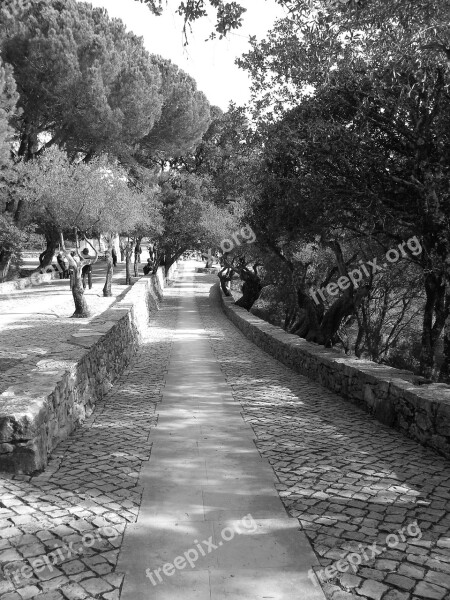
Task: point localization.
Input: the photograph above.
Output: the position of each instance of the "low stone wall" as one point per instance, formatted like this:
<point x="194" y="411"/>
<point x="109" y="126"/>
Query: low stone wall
<point x="25" y="282"/>
<point x="420" y="412"/>
<point x="61" y="391"/>
<point x="213" y="270"/>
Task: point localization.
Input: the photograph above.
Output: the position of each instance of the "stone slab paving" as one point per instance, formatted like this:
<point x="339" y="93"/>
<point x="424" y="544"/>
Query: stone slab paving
<point x="211" y="524"/>
<point x="350" y="481"/>
<point x="35" y="321"/>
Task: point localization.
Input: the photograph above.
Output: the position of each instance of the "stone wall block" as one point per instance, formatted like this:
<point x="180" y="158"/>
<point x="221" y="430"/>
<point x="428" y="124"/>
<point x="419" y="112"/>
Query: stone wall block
<point x="390" y="395"/>
<point x="57" y="395"/>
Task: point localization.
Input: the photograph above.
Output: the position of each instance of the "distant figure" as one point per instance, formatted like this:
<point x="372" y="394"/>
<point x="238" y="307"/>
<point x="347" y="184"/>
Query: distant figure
<point x="148" y="267"/>
<point x="86" y="271"/>
<point x="122" y="247"/>
<point x="151" y="251"/>
<point x="63" y="264"/>
<point x="137" y="253"/>
<point x="114" y="256"/>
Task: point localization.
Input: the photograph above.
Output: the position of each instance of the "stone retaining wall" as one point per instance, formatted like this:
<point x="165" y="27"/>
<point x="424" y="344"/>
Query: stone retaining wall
<point x="26" y="282"/>
<point x="421" y="412"/>
<point x="61" y="390"/>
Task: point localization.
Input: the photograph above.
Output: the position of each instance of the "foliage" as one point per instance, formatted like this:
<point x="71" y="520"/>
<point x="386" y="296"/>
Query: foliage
<point x="12" y="240"/>
<point x="191" y="220"/>
<point x="92" y="197"/>
<point x="8" y="100"/>
<point x="228" y="14"/>
<point x="229" y="154"/>
<point x="361" y="159"/>
<point x="185" y="116"/>
<point x="84" y="81"/>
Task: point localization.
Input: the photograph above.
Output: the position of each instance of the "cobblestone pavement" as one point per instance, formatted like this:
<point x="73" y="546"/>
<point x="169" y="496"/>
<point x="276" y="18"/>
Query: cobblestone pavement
<point x="33" y="319"/>
<point x="350" y="481"/>
<point x="89" y="491"/>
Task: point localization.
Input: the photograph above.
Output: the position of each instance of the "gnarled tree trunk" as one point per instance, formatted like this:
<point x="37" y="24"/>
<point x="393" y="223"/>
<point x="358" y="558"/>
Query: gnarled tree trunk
<point x="225" y="277"/>
<point x="81" y="307"/>
<point x="52" y="239"/>
<point x="107" y="291"/>
<point x="434" y="307"/>
<point x="444" y="372"/>
<point x="128" y="254"/>
<point x="5" y="262"/>
<point x="251" y="288"/>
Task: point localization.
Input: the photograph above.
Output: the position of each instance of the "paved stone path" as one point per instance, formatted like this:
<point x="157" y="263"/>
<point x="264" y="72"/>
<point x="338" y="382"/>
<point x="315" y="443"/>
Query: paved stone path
<point x="211" y="524"/>
<point x="350" y="481"/>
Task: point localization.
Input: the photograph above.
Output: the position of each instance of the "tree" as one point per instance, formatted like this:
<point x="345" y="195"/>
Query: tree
<point x="229" y="154"/>
<point x="185" y="116"/>
<point x="12" y="240"/>
<point x="88" y="197"/>
<point x="84" y="81"/>
<point x="368" y="142"/>
<point x="90" y="87"/>
<point x="391" y="308"/>
<point x="190" y="219"/>
<point x="11" y="237"/>
<point x="228" y="14"/>
<point x="8" y="102"/>
<point x="131" y="212"/>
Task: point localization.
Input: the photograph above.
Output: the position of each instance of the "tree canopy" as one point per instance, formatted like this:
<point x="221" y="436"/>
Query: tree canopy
<point x="88" y="84"/>
<point x="184" y="118"/>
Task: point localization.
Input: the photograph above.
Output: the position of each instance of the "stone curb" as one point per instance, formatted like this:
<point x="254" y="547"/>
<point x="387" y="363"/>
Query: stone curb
<point x="59" y="392"/>
<point x="26" y="282"/>
<point x="422" y="413"/>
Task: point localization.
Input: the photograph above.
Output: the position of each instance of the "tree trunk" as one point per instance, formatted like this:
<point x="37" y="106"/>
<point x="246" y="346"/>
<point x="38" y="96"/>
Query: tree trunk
<point x="136" y="265"/>
<point x="225" y="277"/>
<point x="251" y="288"/>
<point x="344" y="306"/>
<point x="444" y="373"/>
<point x="109" y="274"/>
<point x="307" y="319"/>
<point x="81" y="307"/>
<point x="167" y="264"/>
<point x="5" y="262"/>
<point x="434" y="306"/>
<point x="46" y="258"/>
<point x="168" y="261"/>
<point x="128" y="253"/>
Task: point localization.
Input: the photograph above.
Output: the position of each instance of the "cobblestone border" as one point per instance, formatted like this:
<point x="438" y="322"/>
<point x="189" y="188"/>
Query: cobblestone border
<point x="422" y="413"/>
<point x="61" y="391"/>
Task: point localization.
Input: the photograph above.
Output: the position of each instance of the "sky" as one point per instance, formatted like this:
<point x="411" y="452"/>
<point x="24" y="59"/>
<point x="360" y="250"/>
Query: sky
<point x="210" y="63"/>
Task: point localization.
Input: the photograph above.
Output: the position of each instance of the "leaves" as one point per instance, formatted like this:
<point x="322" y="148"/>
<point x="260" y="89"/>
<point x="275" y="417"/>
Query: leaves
<point x="93" y="196"/>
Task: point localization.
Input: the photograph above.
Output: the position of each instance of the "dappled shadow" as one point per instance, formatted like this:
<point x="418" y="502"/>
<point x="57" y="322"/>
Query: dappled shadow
<point x="36" y="322"/>
<point x="348" y="479"/>
<point x="91" y="486"/>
